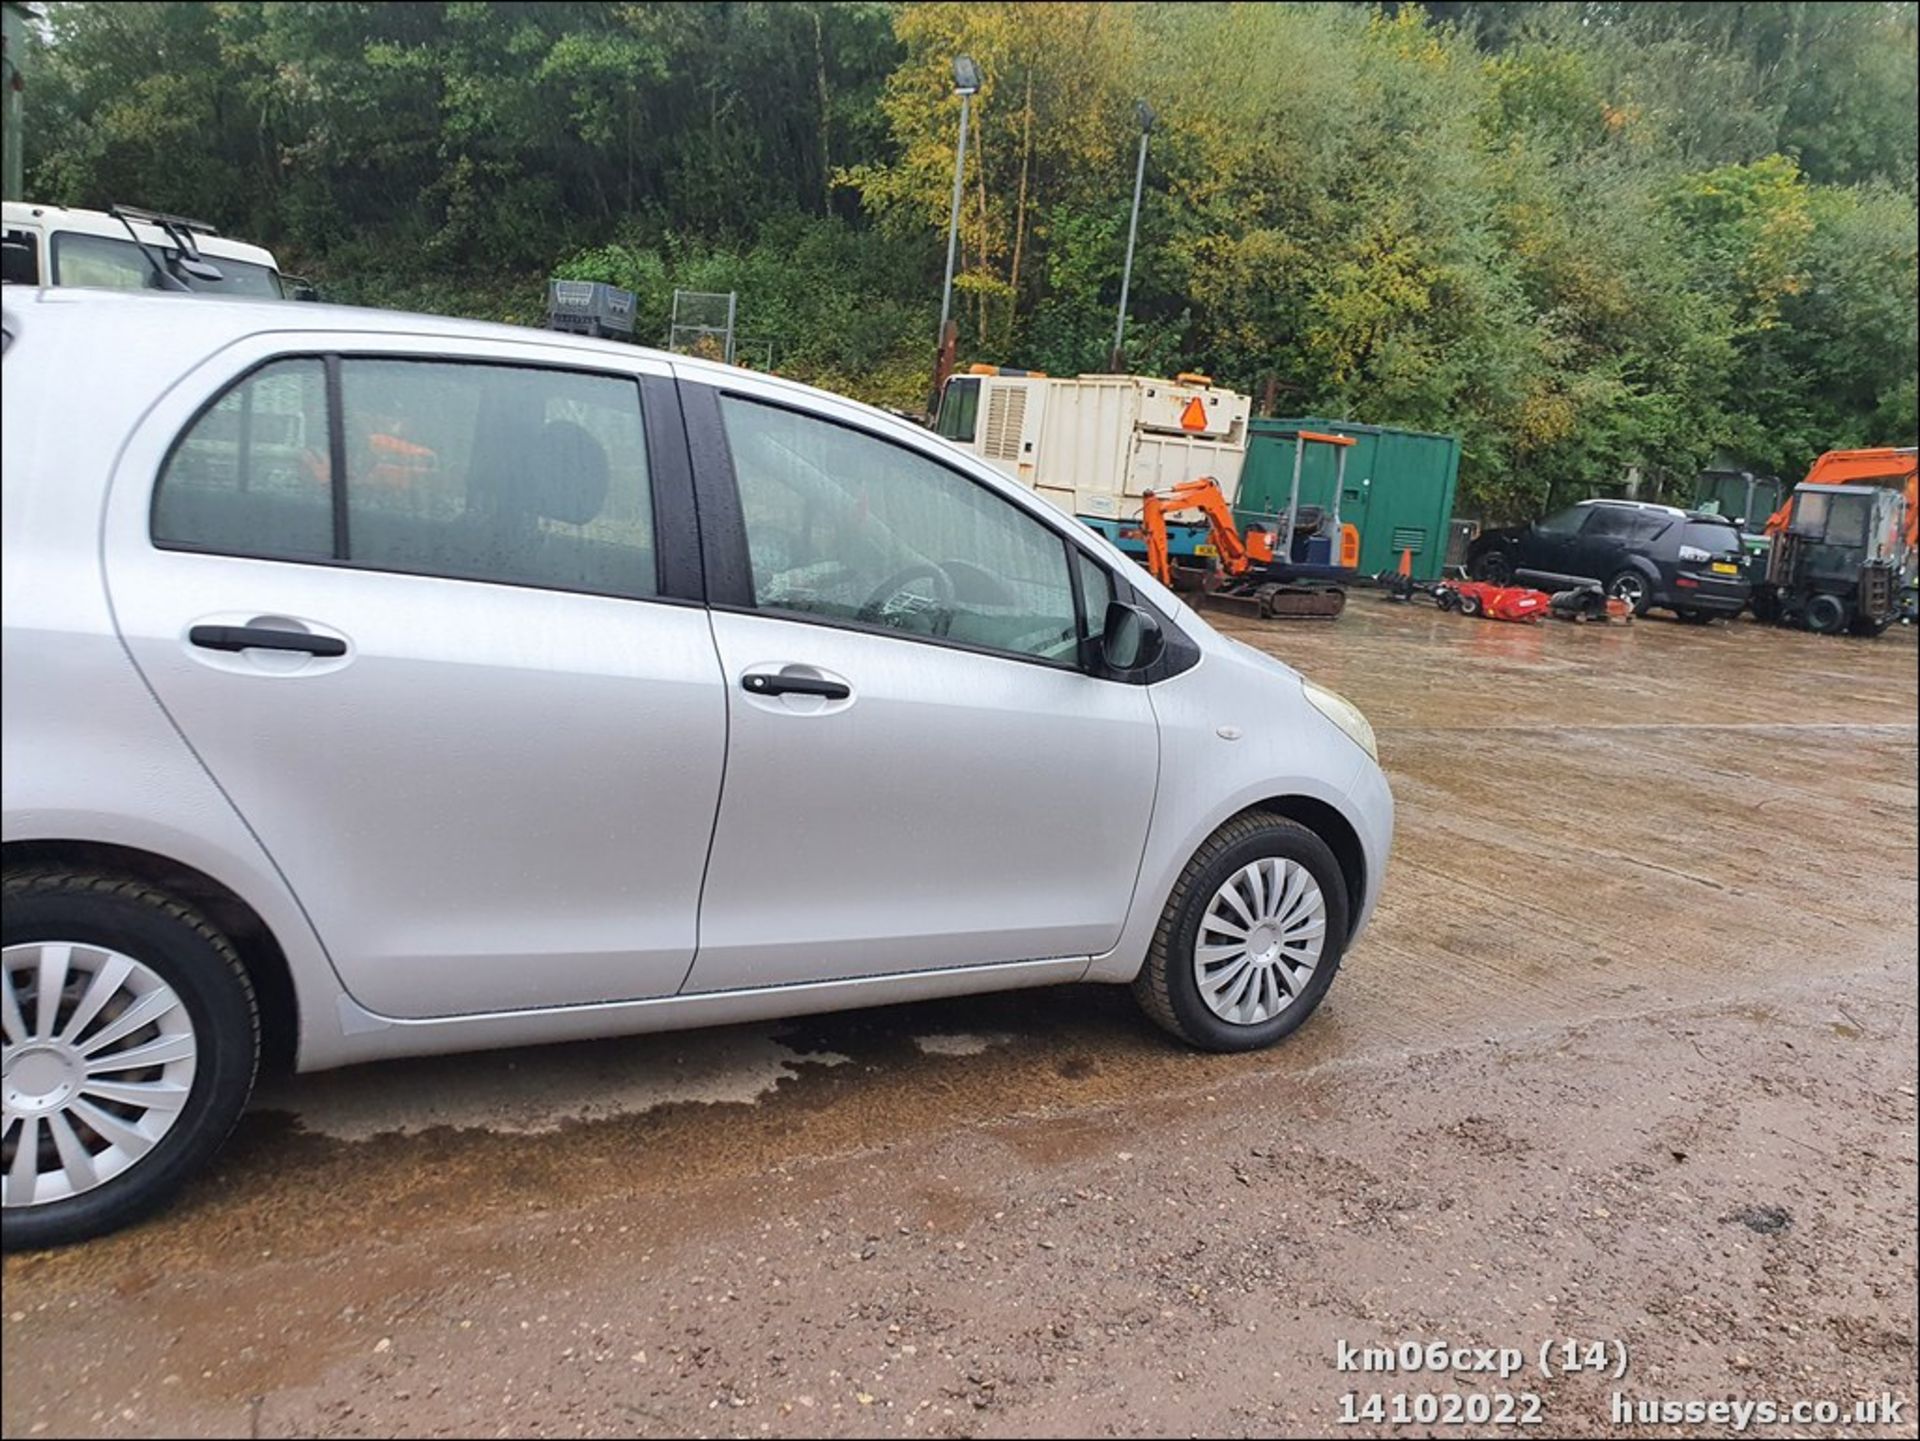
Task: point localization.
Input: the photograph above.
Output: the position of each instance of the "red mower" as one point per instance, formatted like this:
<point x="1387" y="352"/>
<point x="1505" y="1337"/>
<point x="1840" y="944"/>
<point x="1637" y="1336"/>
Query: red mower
<point x="1495" y="602"/>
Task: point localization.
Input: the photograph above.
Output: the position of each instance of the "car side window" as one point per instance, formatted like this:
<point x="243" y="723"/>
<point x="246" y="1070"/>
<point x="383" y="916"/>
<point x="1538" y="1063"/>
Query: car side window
<point x="847" y="527"/>
<point x="1562" y="522"/>
<point x="471" y="471"/>
<point x="1649" y="528"/>
<point x="252" y="475"/>
<point x="1611" y="522"/>
<point x="497" y="473"/>
<point x="1096" y="594"/>
<point x="959" y="408"/>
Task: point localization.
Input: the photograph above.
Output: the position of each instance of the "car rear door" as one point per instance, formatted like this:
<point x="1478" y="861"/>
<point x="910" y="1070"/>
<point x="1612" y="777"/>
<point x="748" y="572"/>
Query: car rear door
<point x="921" y="772"/>
<point x="429" y="612"/>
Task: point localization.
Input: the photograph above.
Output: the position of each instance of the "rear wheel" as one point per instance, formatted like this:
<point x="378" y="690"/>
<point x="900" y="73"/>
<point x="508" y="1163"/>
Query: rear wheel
<point x="1631" y="586"/>
<point x="1470" y="604"/>
<point x="1250" y="939"/>
<point x="131" y="1042"/>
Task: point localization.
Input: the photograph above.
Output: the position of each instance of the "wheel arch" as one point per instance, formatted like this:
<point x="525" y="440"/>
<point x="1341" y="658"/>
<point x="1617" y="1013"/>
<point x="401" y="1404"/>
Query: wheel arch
<point x="260" y="950"/>
<point x="1326" y="822"/>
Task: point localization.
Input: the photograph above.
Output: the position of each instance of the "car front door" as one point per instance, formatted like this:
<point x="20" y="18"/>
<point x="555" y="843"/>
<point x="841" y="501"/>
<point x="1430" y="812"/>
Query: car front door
<point x="1546" y="549"/>
<point x="431" y="619"/>
<point x="922" y="772"/>
<point x="1601" y="549"/>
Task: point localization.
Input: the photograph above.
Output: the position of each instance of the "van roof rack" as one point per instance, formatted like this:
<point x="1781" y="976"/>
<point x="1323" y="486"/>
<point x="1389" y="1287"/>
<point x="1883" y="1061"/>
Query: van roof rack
<point x="160" y="218"/>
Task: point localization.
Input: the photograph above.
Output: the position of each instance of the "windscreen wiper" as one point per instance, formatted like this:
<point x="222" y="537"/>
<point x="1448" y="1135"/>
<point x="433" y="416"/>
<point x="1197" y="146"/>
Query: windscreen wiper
<point x="179" y="230"/>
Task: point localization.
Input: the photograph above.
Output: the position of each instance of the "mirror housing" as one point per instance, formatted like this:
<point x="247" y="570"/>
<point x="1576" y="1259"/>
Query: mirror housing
<point x="298" y="287"/>
<point x="199" y="269"/>
<point x="1131" y="640"/>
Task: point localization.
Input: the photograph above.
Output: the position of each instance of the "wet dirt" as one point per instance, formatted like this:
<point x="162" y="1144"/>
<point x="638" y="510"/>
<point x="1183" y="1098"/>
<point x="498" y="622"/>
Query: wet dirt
<point x="1645" y="970"/>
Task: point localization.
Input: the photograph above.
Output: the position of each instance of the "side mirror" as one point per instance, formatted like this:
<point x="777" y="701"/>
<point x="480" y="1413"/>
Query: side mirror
<point x="1132" y="639"/>
<point x="199" y="269"/>
<point x="298" y="287"/>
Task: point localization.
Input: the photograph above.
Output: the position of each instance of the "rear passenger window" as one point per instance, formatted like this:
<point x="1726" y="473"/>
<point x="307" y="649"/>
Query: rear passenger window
<point x="470" y="471"/>
<point x="1611" y="522"/>
<point x="251" y="476"/>
<point x="492" y="472"/>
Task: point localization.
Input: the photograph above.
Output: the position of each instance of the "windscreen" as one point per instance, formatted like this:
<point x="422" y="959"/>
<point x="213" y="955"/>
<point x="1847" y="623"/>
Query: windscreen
<point x="1714" y="537"/>
<point x="1848" y="519"/>
<point x="108" y="263"/>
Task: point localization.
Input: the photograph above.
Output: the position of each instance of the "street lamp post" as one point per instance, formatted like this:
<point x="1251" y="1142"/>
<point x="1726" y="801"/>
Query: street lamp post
<point x="966" y="84"/>
<point x="1143" y="112"/>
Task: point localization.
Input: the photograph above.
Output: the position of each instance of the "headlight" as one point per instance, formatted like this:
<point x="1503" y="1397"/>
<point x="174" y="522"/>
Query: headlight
<point x="1343" y="713"/>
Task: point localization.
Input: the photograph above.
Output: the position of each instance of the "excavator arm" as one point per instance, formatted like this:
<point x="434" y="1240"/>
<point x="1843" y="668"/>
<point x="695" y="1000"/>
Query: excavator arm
<point x="1889" y="467"/>
<point x="1205" y="496"/>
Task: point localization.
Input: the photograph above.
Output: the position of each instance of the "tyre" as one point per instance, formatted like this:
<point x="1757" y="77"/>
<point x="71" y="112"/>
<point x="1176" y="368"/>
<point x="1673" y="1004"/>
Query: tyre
<point x="1470" y="604"/>
<point x="1494" y="567"/>
<point x="1250" y="939"/>
<point x="1631" y="587"/>
<point x="1826" y="614"/>
<point x="132" y="1039"/>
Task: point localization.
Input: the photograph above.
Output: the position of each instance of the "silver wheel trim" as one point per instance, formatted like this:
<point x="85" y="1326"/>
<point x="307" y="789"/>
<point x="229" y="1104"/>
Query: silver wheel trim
<point x="1629" y="588"/>
<point x="98" y="1063"/>
<point x="1260" y="940"/>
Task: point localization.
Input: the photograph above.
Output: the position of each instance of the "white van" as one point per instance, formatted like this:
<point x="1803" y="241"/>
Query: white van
<point x="133" y="249"/>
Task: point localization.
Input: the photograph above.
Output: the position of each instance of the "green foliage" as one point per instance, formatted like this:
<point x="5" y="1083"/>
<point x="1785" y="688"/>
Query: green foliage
<point x="844" y="307"/>
<point x="1588" y="237"/>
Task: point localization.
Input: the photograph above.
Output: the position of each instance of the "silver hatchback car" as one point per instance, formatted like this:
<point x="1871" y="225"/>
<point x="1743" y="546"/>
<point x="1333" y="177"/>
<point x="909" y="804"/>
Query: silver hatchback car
<point x="378" y="684"/>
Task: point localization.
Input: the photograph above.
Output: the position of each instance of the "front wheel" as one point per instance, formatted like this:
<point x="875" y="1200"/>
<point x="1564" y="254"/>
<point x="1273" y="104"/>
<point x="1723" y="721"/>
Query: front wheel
<point x="132" y="1038"/>
<point x="1631" y="586"/>
<point x="1250" y="939"/>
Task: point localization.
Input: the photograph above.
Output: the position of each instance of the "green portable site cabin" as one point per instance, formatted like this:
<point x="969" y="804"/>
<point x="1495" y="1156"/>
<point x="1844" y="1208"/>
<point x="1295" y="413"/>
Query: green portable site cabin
<point x="1398" y="491"/>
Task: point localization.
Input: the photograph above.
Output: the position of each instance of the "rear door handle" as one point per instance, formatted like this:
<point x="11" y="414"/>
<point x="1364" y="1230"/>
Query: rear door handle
<point x="761" y="684"/>
<point x="257" y="637"/>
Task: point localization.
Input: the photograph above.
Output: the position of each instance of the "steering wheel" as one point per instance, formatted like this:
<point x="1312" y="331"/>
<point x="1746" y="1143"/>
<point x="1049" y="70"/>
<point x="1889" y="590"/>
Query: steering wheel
<point x="885" y="604"/>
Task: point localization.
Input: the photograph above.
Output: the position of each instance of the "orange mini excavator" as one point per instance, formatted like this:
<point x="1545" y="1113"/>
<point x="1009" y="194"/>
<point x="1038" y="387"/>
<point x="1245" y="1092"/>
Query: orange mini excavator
<point x="1249" y="577"/>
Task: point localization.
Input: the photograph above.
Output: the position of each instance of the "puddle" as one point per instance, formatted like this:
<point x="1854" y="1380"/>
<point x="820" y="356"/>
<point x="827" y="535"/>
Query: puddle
<point x="531" y="1092"/>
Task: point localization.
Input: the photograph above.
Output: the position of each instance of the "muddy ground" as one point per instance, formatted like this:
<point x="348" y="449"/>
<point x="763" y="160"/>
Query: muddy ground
<point x="1628" y="1056"/>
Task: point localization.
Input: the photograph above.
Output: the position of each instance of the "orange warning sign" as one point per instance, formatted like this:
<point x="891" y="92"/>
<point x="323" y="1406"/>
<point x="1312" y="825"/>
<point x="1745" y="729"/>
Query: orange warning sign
<point x="1194" y="417"/>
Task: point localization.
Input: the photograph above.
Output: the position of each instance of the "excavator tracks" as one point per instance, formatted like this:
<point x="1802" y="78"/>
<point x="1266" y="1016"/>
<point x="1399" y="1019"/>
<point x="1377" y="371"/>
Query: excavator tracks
<point x="1277" y="601"/>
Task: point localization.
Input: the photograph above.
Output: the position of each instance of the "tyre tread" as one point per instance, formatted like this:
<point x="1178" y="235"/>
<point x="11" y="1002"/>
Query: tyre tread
<point x="1150" y="987"/>
<point x="58" y="880"/>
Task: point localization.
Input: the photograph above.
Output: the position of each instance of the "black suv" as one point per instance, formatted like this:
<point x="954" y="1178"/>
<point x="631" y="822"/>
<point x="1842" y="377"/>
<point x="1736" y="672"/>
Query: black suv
<point x="1646" y="555"/>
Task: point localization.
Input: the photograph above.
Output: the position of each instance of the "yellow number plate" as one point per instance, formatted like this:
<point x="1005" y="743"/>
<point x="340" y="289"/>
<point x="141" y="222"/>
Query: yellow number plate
<point x="1720" y="567"/>
<point x="1206" y="550"/>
